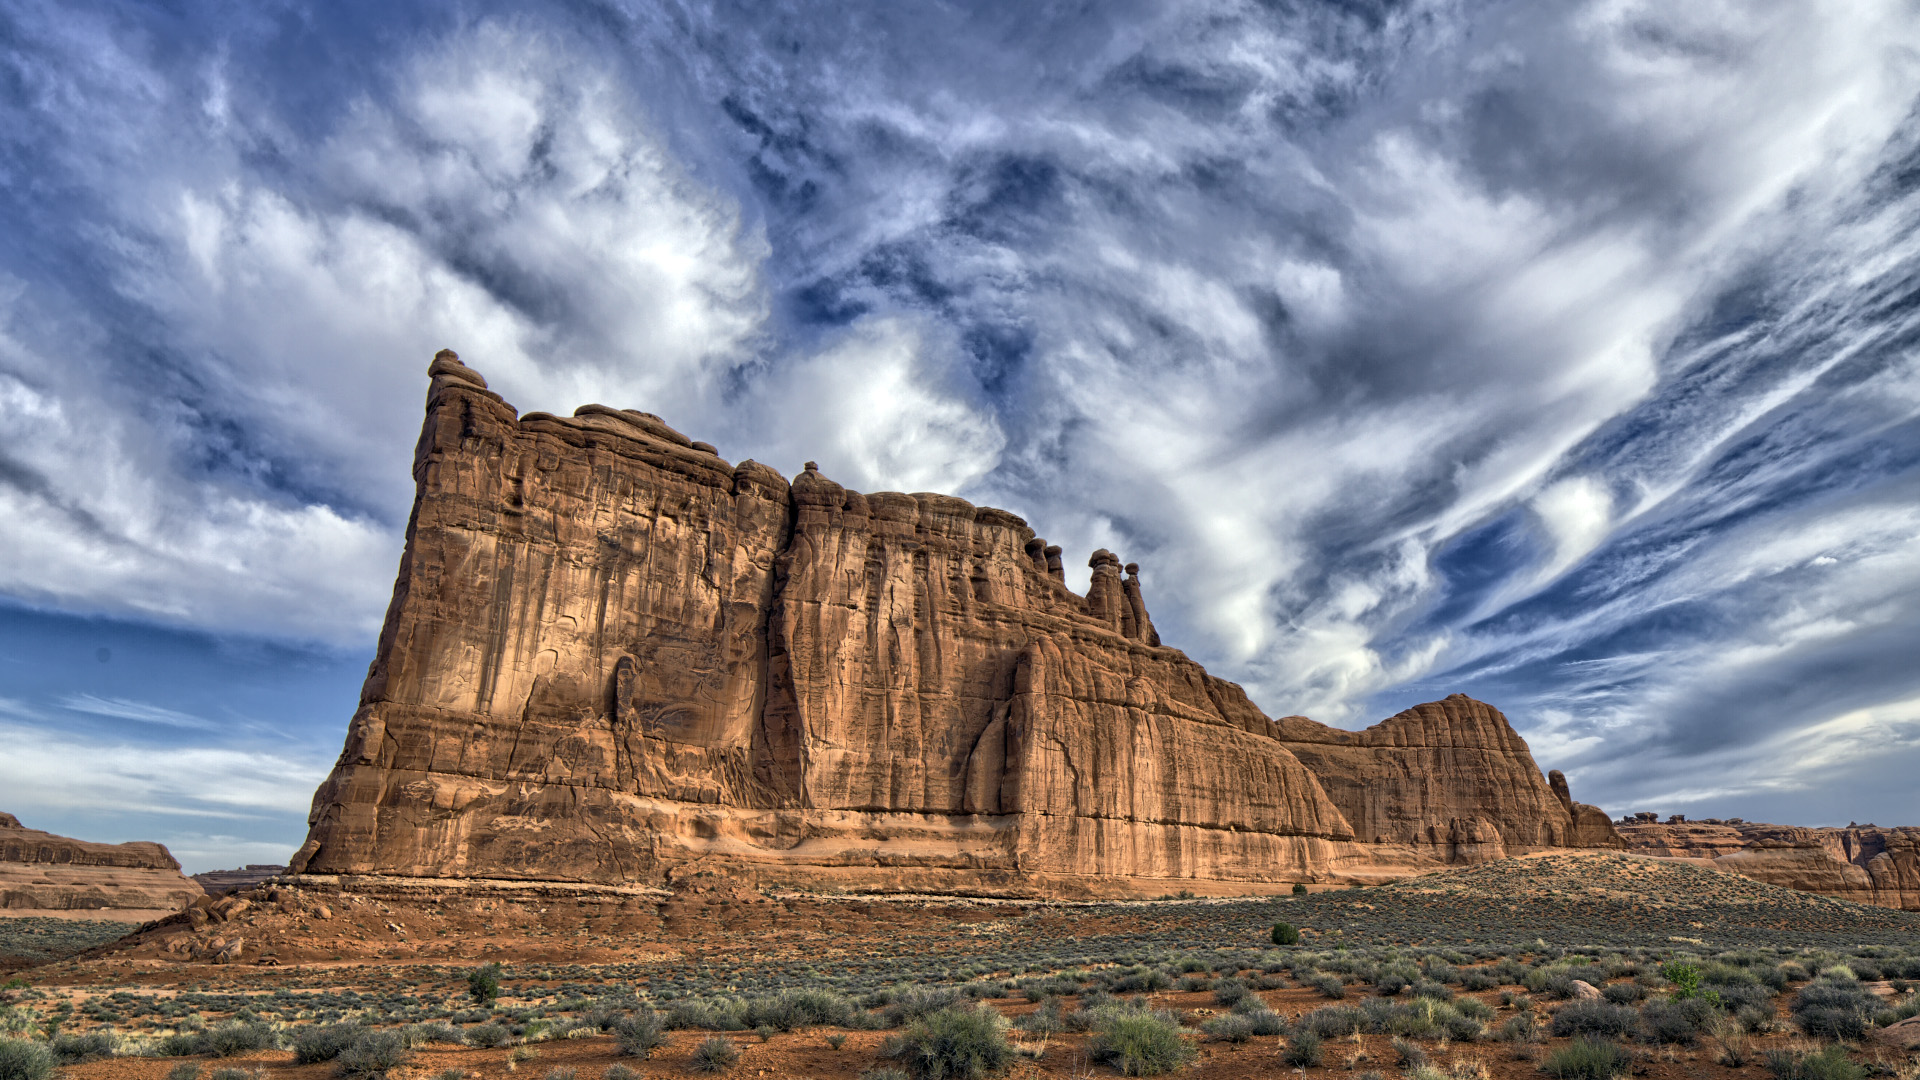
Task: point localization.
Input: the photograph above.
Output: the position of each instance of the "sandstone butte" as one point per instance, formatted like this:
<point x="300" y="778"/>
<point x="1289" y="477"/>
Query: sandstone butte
<point x="1864" y="863"/>
<point x="613" y="658"/>
<point x="44" y="872"/>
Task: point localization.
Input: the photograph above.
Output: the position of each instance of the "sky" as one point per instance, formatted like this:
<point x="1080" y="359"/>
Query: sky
<point x="1562" y="354"/>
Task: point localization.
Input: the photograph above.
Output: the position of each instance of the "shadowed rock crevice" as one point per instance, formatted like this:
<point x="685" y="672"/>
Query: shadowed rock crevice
<point x="611" y="655"/>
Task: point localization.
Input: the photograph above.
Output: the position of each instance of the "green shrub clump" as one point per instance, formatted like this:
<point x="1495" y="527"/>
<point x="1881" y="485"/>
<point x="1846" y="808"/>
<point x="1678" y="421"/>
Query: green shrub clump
<point x="1587" y="1059"/>
<point x="22" y="1059"/>
<point x="954" y="1043"/>
<point x="324" y="1042"/>
<point x="372" y="1054"/>
<point x="1834" y="1006"/>
<point x="641" y="1034"/>
<point x="483" y="983"/>
<point x="713" y="1055"/>
<point x="1136" y="1041"/>
<point x="74" y="1049"/>
<point x="1303" y="1050"/>
<point x="237" y="1037"/>
<point x="1829" y="1064"/>
<point x="1286" y="934"/>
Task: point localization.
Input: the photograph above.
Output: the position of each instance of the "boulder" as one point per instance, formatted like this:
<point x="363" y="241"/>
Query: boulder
<point x="1901" y="1035"/>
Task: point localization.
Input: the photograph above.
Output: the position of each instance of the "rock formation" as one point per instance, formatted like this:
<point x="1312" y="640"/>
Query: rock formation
<point x="611" y="656"/>
<point x="1864" y="863"/>
<point x="218" y="882"/>
<point x="39" y="870"/>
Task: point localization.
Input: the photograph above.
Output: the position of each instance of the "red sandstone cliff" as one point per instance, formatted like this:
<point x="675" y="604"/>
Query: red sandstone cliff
<point x="611" y="655"/>
<point x="39" y="870"/>
<point x="1865" y="863"/>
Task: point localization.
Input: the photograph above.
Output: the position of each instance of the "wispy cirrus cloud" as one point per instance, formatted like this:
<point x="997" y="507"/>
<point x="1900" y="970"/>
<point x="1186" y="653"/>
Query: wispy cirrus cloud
<point x="1563" y="354"/>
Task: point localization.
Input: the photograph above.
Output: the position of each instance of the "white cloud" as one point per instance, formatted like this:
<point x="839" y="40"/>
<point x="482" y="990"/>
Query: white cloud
<point x="119" y="778"/>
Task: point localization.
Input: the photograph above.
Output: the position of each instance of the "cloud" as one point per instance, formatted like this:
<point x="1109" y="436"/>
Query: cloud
<point x="137" y="711"/>
<point x="122" y="778"/>
<point x="1557" y="353"/>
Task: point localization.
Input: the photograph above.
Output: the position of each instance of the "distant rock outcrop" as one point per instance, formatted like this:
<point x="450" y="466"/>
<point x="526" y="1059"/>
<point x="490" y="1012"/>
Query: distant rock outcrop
<point x="217" y="882"/>
<point x="39" y="870"/>
<point x="1864" y="863"/>
<point x="614" y="657"/>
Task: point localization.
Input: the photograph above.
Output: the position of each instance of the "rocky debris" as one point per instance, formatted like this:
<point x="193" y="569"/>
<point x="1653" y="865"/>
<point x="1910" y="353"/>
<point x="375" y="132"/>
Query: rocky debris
<point x="245" y="877"/>
<point x="611" y="656"/>
<point x="39" y="870"/>
<point x="1864" y="863"/>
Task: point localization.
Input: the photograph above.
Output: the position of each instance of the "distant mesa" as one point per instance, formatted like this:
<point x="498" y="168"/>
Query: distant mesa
<point x="43" y="872"/>
<point x="614" y="658"/>
<point x="1864" y="863"/>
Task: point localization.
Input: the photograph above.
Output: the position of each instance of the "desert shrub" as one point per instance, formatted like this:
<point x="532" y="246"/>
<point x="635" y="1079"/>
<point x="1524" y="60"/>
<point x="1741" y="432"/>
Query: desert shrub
<point x="1518" y="1029"/>
<point x="794" y="1008"/>
<point x="1389" y="985"/>
<point x="1594" y="1018"/>
<point x="442" y="1032"/>
<point x="1735" y="997"/>
<point x="483" y="983"/>
<point x="323" y="1042"/>
<point x="186" y="1070"/>
<point x="1428" y="988"/>
<point x="1676" y="1020"/>
<point x="560" y="1073"/>
<point x="231" y="1073"/>
<point x="1624" y="993"/>
<point x="1479" y="980"/>
<point x="1285" y="934"/>
<point x="641" y="1034"/>
<point x="1829" y="1064"/>
<point x="74" y="1049"/>
<point x="954" y="1042"/>
<point x="1409" y="1053"/>
<point x="372" y="1054"/>
<point x="707" y="1014"/>
<point x="1732" y="1036"/>
<point x="1229" y="1028"/>
<point x="22" y="1059"/>
<point x="488" y="1035"/>
<point x="1265" y="1021"/>
<point x="1329" y="985"/>
<point x="884" y="1073"/>
<point x="1045" y="1020"/>
<point x="1228" y="991"/>
<point x="1299" y="889"/>
<point x="1587" y="1059"/>
<point x="1137" y="1042"/>
<point x="1834" y="1007"/>
<point x="238" y="1037"/>
<point x="1333" y="1021"/>
<point x="715" y="1054"/>
<point x="1303" y="1050"/>
<point x="913" y="1002"/>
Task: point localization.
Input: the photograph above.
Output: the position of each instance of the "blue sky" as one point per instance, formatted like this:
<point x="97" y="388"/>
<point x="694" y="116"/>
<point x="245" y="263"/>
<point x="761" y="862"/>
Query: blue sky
<point x="1563" y="354"/>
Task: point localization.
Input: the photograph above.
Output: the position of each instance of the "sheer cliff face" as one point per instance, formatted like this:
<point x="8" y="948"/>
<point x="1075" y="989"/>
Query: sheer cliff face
<point x="611" y="655"/>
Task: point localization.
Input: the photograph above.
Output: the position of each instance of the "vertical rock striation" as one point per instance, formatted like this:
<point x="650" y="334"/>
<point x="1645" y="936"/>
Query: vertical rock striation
<point x="612" y="656"/>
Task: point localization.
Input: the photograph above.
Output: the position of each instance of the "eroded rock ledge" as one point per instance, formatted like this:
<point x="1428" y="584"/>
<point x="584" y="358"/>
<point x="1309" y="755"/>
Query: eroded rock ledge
<point x="613" y="657"/>
<point x="42" y="871"/>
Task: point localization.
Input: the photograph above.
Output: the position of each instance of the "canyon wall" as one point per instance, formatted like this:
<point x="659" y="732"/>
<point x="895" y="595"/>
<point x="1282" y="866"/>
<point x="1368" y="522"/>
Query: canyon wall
<point x="41" y="871"/>
<point x="613" y="657"/>
<point x="1864" y="863"/>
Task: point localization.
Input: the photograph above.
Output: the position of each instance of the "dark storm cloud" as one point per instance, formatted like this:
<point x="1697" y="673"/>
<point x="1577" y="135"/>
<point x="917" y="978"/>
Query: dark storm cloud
<point x="1561" y="353"/>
